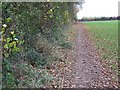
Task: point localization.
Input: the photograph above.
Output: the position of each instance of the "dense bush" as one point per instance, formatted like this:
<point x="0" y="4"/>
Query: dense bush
<point x="29" y="31"/>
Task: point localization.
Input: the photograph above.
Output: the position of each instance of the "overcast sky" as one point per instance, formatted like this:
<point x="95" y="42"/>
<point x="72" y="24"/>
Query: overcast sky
<point x="92" y="8"/>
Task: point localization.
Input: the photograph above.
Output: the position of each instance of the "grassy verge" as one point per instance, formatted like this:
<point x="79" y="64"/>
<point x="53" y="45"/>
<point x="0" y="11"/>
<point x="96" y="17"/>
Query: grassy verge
<point x="64" y="54"/>
<point x="105" y="38"/>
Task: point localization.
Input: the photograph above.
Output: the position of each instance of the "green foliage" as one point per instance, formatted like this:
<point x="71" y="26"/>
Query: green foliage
<point x="23" y="23"/>
<point x="34" y="77"/>
<point x="66" y="45"/>
<point x="8" y="74"/>
<point x="10" y="47"/>
<point x="10" y="40"/>
<point x="36" y="58"/>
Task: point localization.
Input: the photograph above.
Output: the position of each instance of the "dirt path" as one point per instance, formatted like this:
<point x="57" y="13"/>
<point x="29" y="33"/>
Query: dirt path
<point x="87" y="69"/>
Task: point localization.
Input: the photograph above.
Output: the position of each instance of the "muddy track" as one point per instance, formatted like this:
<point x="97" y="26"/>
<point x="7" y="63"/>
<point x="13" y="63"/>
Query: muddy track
<point x="87" y="72"/>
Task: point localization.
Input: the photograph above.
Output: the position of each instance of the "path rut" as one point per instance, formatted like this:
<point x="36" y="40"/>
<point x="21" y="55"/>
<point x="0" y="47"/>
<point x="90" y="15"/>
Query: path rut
<point x="87" y="69"/>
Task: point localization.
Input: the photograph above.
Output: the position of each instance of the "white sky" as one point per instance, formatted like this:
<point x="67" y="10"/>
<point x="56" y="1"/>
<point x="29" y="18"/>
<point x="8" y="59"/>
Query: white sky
<point x="92" y="8"/>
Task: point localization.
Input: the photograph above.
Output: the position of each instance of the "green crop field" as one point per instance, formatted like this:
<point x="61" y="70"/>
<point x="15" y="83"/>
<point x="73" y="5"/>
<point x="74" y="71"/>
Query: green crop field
<point x="105" y="37"/>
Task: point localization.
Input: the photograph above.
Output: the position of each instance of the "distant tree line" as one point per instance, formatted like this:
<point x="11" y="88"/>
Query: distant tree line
<point x="99" y="18"/>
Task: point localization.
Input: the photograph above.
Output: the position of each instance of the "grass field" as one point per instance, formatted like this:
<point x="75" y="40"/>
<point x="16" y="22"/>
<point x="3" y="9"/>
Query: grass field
<point x="105" y="37"/>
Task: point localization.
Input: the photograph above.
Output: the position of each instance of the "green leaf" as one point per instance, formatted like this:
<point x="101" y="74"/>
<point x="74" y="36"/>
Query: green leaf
<point x="6" y="46"/>
<point x="8" y="40"/>
<point x="22" y="42"/>
<point x="9" y="19"/>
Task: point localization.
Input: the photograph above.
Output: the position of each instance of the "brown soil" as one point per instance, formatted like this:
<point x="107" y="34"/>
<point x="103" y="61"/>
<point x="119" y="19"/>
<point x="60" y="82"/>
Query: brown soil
<point x="87" y="70"/>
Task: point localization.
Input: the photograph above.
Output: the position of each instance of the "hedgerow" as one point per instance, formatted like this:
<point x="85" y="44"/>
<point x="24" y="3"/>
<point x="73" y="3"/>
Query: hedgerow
<point x="29" y="32"/>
